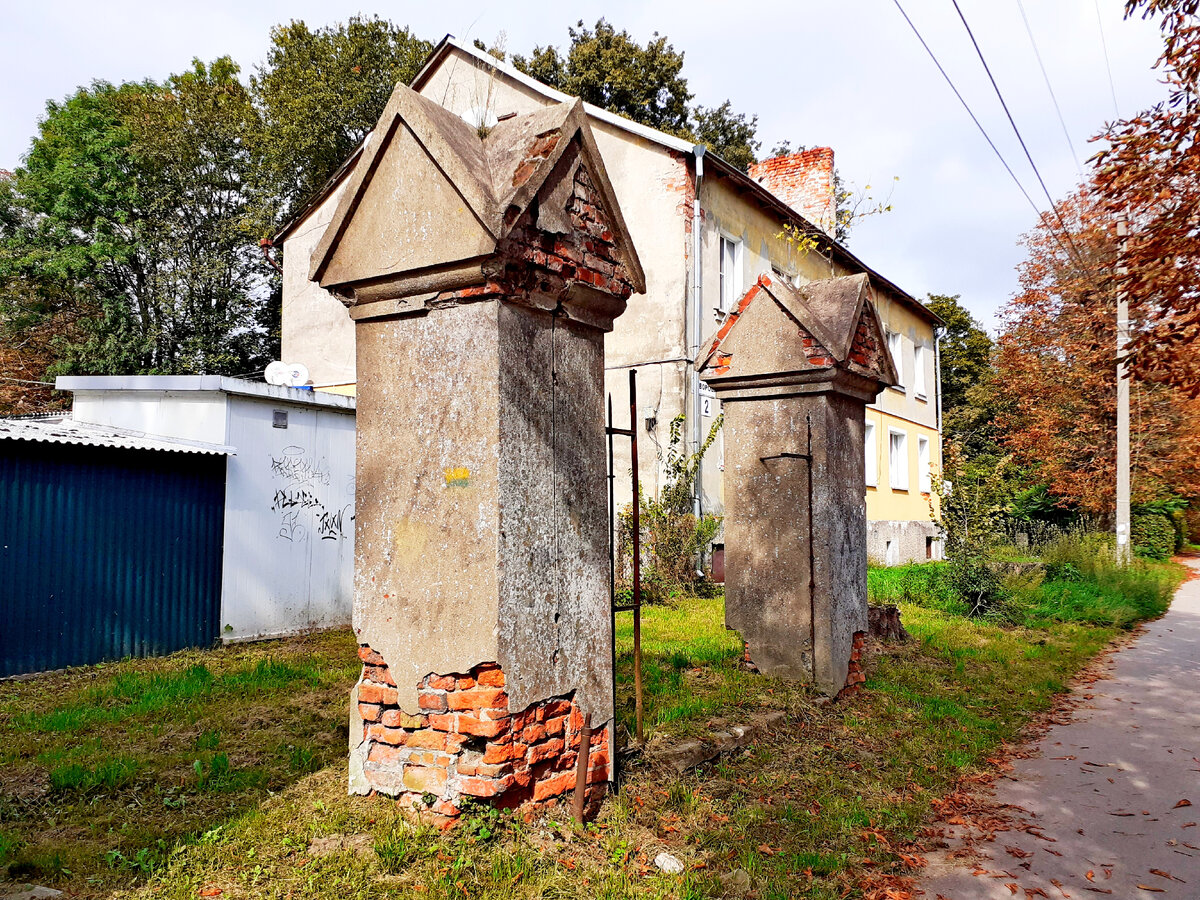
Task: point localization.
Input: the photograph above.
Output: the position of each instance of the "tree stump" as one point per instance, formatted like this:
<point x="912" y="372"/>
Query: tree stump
<point x="883" y="623"/>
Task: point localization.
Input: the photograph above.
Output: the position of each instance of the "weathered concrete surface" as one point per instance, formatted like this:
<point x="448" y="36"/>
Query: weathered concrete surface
<point x="426" y="515"/>
<point x="482" y="271"/>
<point x="1103" y="794"/>
<point x="794" y="369"/>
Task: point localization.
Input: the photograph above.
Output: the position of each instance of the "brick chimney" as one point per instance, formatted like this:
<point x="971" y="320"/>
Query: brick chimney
<point x="804" y="181"/>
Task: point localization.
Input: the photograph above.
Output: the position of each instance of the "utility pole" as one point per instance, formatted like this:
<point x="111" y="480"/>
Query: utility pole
<point x="1123" y="514"/>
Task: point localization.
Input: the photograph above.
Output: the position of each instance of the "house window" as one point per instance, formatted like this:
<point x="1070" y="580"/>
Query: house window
<point x="872" y="455"/>
<point x="919" y="382"/>
<point x="894" y="347"/>
<point x="731" y="274"/>
<point x="898" y="460"/>
<point x="924" y="477"/>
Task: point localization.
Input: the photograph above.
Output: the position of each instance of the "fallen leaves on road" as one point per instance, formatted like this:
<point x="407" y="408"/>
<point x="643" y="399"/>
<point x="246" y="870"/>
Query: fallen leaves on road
<point x="1183" y="802"/>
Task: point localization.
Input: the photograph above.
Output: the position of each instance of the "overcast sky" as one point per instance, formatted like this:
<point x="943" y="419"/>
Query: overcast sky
<point x="848" y="74"/>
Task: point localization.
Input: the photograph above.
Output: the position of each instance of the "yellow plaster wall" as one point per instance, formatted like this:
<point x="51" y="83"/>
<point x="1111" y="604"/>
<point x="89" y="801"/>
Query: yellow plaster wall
<point x="885" y="504"/>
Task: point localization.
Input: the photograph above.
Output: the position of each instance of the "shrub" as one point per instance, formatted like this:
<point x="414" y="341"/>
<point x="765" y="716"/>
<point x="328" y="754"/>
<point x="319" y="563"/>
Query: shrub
<point x="672" y="538"/>
<point x="1153" y="536"/>
<point x="970" y="515"/>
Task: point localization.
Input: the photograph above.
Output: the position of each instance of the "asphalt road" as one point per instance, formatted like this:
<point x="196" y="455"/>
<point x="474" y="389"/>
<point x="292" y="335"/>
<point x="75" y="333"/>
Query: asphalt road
<point x="1108" y="805"/>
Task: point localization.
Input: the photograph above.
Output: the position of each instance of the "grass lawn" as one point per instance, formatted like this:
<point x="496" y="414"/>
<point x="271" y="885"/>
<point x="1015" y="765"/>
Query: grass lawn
<point x="104" y="770"/>
<point x="131" y="793"/>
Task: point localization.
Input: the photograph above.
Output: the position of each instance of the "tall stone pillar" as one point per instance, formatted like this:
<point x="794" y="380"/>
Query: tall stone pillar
<point x="482" y="273"/>
<point x="794" y="369"/>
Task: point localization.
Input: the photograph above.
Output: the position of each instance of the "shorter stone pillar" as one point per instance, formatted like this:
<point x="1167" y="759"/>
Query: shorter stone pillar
<point x="482" y="271"/>
<point x="794" y="369"/>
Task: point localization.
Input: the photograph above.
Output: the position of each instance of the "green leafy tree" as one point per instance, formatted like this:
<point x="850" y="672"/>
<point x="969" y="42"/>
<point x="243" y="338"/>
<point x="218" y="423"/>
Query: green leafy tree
<point x="966" y="350"/>
<point x="728" y="134"/>
<point x="137" y="216"/>
<point x="610" y="69"/>
<point x="320" y="92"/>
<point x="33" y="321"/>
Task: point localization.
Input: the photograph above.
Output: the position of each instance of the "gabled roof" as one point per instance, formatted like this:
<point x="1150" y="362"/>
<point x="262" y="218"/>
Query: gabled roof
<point x="827" y="317"/>
<point x="420" y="149"/>
<point x="743" y="182"/>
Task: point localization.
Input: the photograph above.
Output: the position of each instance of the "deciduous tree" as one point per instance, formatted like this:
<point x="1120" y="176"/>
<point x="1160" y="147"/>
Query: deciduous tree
<point x="1056" y="364"/>
<point x="610" y="69"/>
<point x="1150" y="173"/>
<point x="134" y="219"/>
<point x="320" y="92"/>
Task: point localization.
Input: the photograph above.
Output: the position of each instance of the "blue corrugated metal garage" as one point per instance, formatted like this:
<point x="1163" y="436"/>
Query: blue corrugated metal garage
<point x="110" y="544"/>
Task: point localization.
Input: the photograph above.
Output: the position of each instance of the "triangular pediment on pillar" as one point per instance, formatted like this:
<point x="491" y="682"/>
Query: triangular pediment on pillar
<point x="779" y="334"/>
<point x="434" y="200"/>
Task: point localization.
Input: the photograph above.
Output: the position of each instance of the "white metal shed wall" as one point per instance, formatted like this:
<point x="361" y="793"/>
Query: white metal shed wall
<point x="289" y="519"/>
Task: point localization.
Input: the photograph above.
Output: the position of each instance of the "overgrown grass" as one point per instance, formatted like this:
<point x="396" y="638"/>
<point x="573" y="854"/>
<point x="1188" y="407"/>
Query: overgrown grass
<point x="1071" y="579"/>
<point x="815" y="810"/>
<point x="104" y="770"/>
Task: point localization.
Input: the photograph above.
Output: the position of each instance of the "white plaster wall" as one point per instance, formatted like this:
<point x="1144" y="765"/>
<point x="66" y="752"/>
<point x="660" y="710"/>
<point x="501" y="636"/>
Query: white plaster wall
<point x="190" y="415"/>
<point x="289" y="530"/>
<point x="317" y="328"/>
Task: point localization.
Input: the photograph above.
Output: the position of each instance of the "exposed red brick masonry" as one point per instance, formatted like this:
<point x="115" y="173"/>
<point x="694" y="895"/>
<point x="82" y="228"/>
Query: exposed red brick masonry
<point x="804" y="181"/>
<point x="865" y="350"/>
<point x="536" y="262"/>
<point x="857" y="675"/>
<point x="465" y="741"/>
<point x="814" y="352"/>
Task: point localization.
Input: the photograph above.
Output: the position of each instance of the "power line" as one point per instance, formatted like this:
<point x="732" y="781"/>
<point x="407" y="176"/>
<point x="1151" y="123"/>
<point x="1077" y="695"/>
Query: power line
<point x="1000" y="156"/>
<point x="1046" y="78"/>
<point x="970" y="112"/>
<point x="1108" y="66"/>
<point x="1020" y="139"/>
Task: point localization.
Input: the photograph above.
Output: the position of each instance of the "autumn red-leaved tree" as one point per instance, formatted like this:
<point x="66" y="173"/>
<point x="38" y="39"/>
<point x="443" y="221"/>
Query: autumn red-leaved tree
<point x="1056" y="363"/>
<point x="1150" y="173"/>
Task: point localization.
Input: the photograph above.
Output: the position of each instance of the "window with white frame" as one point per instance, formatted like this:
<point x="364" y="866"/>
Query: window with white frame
<point x="920" y="353"/>
<point x="924" y="475"/>
<point x="872" y="454"/>
<point x="895" y="344"/>
<point x="897" y="460"/>
<point x="731" y="273"/>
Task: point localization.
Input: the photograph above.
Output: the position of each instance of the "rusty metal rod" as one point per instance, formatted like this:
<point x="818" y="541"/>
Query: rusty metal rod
<point x="581" y="769"/>
<point x="613" y="746"/>
<point x="637" y="559"/>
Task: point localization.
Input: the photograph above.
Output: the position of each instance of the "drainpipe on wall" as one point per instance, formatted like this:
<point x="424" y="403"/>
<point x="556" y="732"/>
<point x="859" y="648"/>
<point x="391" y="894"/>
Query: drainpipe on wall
<point x="937" y="371"/>
<point x="697" y="317"/>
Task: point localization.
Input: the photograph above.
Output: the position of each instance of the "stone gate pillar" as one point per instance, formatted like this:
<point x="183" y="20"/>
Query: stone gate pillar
<point x="482" y="272"/>
<point x="794" y="369"/>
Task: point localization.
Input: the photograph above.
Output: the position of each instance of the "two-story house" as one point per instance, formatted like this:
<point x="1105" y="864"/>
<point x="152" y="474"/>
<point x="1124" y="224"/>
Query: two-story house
<point x="704" y="231"/>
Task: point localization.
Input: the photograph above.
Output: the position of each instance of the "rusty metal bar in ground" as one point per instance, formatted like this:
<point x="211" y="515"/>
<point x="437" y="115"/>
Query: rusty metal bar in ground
<point x="636" y="607"/>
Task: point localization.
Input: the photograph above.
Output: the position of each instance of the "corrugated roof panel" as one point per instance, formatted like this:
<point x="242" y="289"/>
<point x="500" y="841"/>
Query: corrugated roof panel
<point x="64" y="430"/>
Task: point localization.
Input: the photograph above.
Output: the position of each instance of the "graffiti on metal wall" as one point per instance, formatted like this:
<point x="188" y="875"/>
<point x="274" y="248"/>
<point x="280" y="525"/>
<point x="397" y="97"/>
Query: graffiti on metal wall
<point x="303" y="499"/>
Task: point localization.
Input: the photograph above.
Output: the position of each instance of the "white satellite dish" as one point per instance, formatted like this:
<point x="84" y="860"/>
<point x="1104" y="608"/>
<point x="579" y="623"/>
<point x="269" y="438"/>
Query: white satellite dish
<point x="286" y="374"/>
<point x="276" y="373"/>
<point x="297" y="374"/>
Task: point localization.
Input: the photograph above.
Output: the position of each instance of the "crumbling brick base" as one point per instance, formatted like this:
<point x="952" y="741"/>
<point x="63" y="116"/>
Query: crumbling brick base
<point x="464" y="742"/>
<point x="747" y="662"/>
<point x="856" y="675"/>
